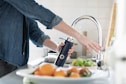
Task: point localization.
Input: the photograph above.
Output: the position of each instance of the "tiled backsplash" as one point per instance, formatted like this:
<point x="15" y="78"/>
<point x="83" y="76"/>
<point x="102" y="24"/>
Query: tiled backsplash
<point x="69" y="10"/>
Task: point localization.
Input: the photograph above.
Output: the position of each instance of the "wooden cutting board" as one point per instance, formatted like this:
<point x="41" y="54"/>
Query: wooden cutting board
<point x="111" y="29"/>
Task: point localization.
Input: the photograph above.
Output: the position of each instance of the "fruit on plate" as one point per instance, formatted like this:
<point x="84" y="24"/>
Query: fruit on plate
<point x="37" y="71"/>
<point x="60" y="72"/>
<point x="72" y="69"/>
<point x="48" y="69"/>
<point x="83" y="62"/>
<point x="84" y="72"/>
<point x="74" y="75"/>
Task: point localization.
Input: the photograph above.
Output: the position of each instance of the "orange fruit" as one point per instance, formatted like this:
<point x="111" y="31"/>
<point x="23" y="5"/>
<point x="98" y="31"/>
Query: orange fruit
<point x="47" y="69"/>
<point x="74" y="75"/>
<point x="37" y="73"/>
<point x="37" y="69"/>
<point x="60" y="72"/>
<point x="73" y="69"/>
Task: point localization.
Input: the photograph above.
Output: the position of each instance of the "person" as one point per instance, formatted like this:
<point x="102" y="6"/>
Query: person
<point x="18" y="25"/>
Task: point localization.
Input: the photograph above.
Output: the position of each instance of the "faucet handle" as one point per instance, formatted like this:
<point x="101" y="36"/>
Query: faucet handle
<point x="100" y="62"/>
<point x="102" y="66"/>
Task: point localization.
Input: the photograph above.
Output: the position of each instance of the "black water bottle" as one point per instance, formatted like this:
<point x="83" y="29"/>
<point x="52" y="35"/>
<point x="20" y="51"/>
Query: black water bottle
<point x="61" y="59"/>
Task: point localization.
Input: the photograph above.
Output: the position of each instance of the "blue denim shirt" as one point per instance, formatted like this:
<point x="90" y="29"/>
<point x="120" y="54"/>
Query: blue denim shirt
<point x="16" y="15"/>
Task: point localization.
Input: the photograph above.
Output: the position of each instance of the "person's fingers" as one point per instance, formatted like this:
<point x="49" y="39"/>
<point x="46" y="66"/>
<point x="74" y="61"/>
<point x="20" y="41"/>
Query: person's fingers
<point x="70" y="51"/>
<point x="89" y="45"/>
<point x="62" y="44"/>
<point x="88" y="48"/>
<point x="72" y="48"/>
<point x="96" y="46"/>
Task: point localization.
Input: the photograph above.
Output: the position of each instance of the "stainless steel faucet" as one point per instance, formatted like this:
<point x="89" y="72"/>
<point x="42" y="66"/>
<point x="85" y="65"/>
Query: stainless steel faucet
<point x="99" y="58"/>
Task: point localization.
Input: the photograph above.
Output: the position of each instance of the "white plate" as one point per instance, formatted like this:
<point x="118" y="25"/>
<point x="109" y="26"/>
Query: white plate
<point x="97" y="75"/>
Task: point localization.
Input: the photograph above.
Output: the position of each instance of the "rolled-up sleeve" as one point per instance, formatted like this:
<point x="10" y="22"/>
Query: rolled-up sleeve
<point x="33" y="10"/>
<point x="36" y="35"/>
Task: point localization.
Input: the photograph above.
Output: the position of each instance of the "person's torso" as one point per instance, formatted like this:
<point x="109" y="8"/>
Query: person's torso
<point x="11" y="34"/>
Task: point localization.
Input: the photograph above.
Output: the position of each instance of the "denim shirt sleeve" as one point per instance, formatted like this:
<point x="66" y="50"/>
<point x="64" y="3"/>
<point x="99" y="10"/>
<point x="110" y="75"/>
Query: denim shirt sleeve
<point x="33" y="10"/>
<point x="36" y="35"/>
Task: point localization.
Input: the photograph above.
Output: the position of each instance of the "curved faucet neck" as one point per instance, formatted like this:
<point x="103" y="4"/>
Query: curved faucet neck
<point x="95" y="21"/>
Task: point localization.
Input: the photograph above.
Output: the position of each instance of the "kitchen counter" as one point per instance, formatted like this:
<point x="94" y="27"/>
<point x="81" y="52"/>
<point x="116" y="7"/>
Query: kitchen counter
<point x="11" y="78"/>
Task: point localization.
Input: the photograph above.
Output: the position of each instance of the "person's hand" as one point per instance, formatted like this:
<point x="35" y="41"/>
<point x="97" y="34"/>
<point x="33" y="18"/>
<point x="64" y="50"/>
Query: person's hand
<point x="70" y="50"/>
<point x="83" y="40"/>
<point x="88" y="43"/>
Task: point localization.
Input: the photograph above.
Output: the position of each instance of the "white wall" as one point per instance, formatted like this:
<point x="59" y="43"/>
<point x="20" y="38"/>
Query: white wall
<point x="69" y="10"/>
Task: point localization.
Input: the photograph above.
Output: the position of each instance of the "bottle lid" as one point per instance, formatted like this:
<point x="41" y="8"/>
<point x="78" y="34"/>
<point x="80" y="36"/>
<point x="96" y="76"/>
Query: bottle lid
<point x="70" y="39"/>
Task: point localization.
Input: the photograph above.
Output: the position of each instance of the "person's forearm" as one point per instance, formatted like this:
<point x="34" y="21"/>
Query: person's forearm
<point x="50" y="44"/>
<point x="63" y="27"/>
